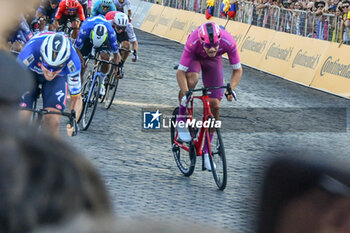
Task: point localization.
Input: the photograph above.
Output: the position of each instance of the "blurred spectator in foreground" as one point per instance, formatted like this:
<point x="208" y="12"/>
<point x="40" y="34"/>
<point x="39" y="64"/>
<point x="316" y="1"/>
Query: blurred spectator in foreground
<point x="345" y="23"/>
<point x="43" y="181"/>
<point x="83" y="224"/>
<point x="305" y="196"/>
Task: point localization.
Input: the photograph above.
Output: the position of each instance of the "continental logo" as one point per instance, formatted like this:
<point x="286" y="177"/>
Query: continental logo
<point x="238" y="38"/>
<point x="335" y="68"/>
<point x="164" y="21"/>
<point x="151" y="18"/>
<point x="303" y="59"/>
<point x="279" y="53"/>
<point x="252" y="45"/>
<point x="178" y="24"/>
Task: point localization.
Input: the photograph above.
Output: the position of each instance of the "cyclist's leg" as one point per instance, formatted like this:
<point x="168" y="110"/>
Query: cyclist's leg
<point x="54" y="99"/>
<point x="192" y="77"/>
<point x="27" y="99"/>
<point x="212" y="75"/>
<point x="75" y="26"/>
<point x="85" y="51"/>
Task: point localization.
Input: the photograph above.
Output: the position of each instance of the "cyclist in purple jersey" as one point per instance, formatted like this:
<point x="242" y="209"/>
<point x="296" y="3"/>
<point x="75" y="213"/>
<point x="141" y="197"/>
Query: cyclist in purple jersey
<point x="203" y="51"/>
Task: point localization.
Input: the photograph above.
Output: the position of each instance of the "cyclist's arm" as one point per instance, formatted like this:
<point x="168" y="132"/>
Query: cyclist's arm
<point x="59" y="12"/>
<point x="81" y="13"/>
<point x="94" y="9"/>
<point x="135" y="46"/>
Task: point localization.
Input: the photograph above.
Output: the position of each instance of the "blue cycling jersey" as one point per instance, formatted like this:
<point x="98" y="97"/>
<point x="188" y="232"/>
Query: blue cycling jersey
<point x="97" y="9"/>
<point x="88" y="26"/>
<point x="23" y="33"/>
<point x="30" y="56"/>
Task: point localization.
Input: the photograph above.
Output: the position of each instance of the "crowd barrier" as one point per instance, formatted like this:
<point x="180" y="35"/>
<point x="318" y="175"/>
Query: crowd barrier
<point x="314" y="63"/>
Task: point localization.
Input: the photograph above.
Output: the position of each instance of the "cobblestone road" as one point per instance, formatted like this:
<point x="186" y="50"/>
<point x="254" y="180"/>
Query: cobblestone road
<point x="140" y="172"/>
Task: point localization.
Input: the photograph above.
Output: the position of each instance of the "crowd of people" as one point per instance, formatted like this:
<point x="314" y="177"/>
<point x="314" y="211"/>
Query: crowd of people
<point x="321" y="19"/>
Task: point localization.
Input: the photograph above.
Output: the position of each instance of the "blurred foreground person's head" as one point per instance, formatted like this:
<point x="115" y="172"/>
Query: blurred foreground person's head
<point x="305" y="196"/>
<point x="14" y="81"/>
<point x="44" y="181"/>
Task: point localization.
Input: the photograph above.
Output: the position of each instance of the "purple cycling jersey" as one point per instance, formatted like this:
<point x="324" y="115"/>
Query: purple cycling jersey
<point x="194" y="59"/>
<point x="194" y="50"/>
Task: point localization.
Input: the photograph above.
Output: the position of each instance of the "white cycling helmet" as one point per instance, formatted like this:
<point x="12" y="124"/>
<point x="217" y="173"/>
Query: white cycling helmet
<point x="55" y="49"/>
<point x="99" y="35"/>
<point x="121" y="19"/>
<point x="106" y="2"/>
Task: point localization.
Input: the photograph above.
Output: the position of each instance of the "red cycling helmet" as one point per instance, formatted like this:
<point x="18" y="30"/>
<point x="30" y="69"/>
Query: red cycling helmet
<point x="72" y="4"/>
<point x="209" y="33"/>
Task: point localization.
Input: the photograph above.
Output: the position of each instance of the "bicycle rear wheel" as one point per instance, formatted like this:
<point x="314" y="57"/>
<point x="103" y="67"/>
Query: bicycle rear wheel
<point x="185" y="161"/>
<point x="90" y="104"/>
<point x="111" y="89"/>
<point x="218" y="160"/>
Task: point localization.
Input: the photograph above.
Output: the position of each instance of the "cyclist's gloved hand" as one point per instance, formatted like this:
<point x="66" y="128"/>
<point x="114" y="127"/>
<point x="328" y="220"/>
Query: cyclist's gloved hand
<point x="70" y="130"/>
<point x="134" y="56"/>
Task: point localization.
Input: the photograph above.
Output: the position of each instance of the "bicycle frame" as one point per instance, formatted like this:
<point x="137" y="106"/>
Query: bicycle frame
<point x="203" y="131"/>
<point x="92" y="86"/>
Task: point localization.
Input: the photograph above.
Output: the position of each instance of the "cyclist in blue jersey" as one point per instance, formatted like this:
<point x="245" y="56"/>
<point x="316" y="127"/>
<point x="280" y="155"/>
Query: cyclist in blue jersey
<point x="20" y="36"/>
<point x="102" y="7"/>
<point x="97" y="35"/>
<point x="56" y="66"/>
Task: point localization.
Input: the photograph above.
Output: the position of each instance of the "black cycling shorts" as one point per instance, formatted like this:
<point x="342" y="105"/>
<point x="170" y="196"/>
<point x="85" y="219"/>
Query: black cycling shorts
<point x="122" y="37"/>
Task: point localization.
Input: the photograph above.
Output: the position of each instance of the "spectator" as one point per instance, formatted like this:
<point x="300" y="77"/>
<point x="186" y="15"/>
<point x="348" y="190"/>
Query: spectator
<point x="345" y="23"/>
<point x="321" y="21"/>
<point x="43" y="181"/>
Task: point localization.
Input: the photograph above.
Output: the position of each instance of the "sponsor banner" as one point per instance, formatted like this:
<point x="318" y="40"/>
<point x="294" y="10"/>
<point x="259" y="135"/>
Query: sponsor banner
<point x="333" y="73"/>
<point x="152" y="18"/>
<point x="197" y="20"/>
<point x="180" y="25"/>
<point x="218" y="21"/>
<point x="292" y="54"/>
<point x="165" y="21"/>
<point x="237" y="30"/>
<point x="307" y="56"/>
<point x="254" y="46"/>
<point x="140" y="13"/>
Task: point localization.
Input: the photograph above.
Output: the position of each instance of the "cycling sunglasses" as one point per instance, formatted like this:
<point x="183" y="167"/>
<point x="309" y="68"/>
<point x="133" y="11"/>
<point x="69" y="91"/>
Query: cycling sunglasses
<point x="105" y="7"/>
<point x="210" y="45"/>
<point x="52" y="68"/>
<point x="119" y="28"/>
<point x="71" y="9"/>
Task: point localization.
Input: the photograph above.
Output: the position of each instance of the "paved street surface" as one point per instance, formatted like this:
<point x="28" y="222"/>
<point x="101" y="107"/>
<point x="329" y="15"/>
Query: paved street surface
<point x="140" y="172"/>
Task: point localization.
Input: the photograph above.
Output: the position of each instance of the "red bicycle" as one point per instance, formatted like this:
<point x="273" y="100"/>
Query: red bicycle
<point x="185" y="153"/>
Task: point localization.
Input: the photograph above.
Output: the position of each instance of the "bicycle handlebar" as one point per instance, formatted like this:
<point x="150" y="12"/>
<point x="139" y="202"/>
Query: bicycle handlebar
<point x="103" y="61"/>
<point x="205" y="91"/>
<point x="70" y="115"/>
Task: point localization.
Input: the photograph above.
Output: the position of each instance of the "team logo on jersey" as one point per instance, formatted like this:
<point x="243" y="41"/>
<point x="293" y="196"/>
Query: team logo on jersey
<point x="59" y="95"/>
<point x="29" y="60"/>
<point x="71" y="67"/>
<point x="59" y="107"/>
<point x="23" y="105"/>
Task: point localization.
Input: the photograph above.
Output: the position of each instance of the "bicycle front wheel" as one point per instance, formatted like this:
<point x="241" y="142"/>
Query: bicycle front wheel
<point x="111" y="89"/>
<point x="185" y="160"/>
<point x="90" y="103"/>
<point x="217" y="160"/>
